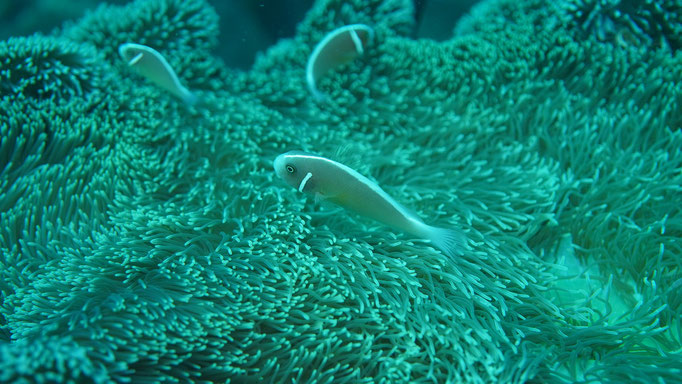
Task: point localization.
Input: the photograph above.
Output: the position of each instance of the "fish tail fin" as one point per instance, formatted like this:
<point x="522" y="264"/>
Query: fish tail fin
<point x="451" y="241"/>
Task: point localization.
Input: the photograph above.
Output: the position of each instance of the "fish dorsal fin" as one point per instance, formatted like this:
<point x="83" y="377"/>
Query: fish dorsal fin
<point x="351" y="155"/>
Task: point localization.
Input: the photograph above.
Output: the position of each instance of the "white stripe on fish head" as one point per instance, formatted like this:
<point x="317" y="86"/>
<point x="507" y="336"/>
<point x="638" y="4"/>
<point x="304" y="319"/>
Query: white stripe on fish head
<point x="304" y="181"/>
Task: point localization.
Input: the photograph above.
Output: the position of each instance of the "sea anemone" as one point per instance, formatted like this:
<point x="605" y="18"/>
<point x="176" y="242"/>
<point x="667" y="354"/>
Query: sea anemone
<point x="639" y="23"/>
<point x="44" y="67"/>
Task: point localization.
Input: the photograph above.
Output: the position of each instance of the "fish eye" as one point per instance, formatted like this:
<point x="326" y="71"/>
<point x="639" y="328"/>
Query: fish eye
<point x="290" y="168"/>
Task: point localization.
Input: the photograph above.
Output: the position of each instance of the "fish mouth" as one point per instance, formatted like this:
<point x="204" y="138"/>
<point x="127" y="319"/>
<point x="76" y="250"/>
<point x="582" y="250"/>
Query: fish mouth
<point x="278" y="164"/>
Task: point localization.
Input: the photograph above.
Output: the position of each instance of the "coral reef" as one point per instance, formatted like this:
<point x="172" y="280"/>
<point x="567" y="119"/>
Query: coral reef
<point x="145" y="240"/>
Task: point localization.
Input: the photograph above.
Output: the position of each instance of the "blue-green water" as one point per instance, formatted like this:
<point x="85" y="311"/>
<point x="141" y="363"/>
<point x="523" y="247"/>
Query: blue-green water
<point x="145" y="237"/>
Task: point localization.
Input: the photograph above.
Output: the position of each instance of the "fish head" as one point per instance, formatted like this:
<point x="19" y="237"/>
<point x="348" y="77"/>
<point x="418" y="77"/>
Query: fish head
<point x="295" y="169"/>
<point x="131" y="53"/>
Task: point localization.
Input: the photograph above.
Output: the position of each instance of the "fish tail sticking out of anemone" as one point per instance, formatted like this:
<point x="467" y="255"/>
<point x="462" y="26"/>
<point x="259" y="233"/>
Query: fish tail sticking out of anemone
<point x="332" y="181"/>
<point x="338" y="47"/>
<point x="152" y="65"/>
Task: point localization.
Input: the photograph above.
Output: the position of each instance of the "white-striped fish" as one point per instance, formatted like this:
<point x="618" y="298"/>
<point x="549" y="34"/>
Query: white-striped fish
<point x="336" y="48"/>
<point x="152" y="65"/>
<point x="329" y="180"/>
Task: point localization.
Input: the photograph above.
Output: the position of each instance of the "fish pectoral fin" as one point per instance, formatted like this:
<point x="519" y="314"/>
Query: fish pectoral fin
<point x="320" y="197"/>
<point x="335" y="198"/>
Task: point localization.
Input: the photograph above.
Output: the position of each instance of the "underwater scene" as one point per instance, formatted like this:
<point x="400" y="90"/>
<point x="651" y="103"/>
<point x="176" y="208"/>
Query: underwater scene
<point x="328" y="191"/>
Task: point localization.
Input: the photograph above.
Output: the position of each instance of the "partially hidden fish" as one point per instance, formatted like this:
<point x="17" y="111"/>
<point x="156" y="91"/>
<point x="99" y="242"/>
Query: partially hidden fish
<point x="337" y="48"/>
<point x="151" y="64"/>
<point x="332" y="181"/>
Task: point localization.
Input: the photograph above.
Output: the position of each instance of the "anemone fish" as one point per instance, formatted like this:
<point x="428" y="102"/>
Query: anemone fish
<point x="337" y="48"/>
<point x="151" y="64"/>
<point x="328" y="180"/>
